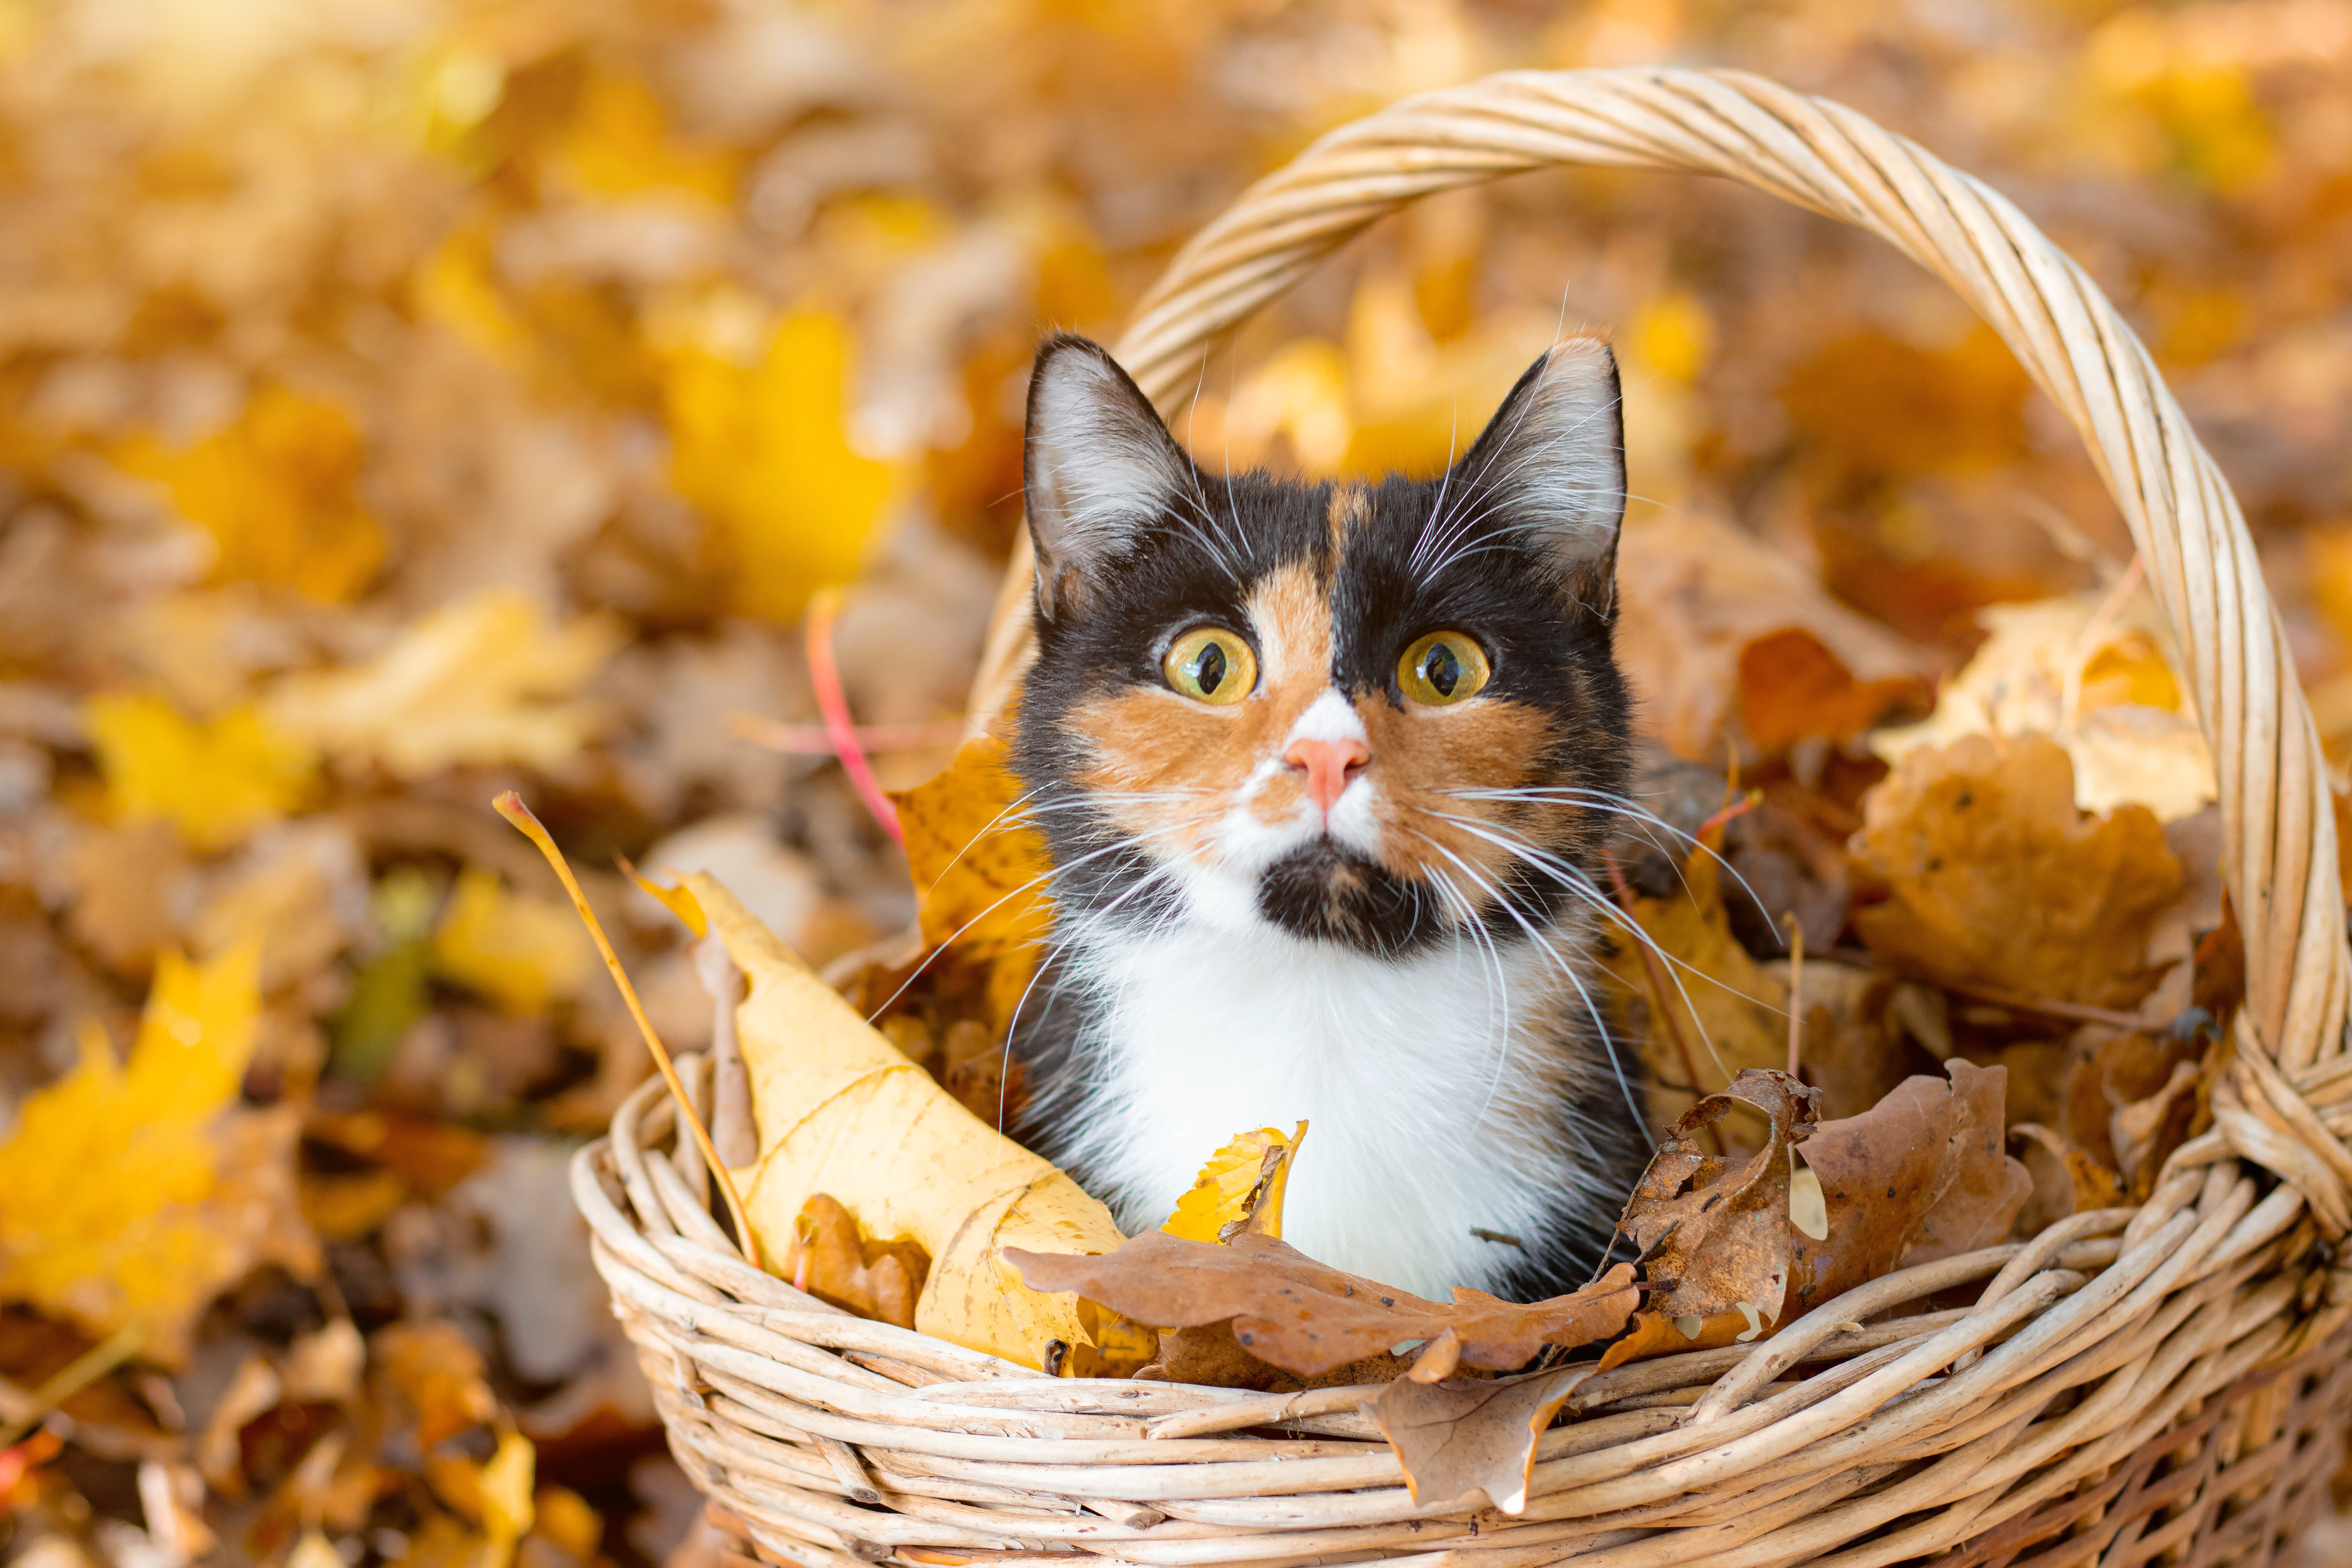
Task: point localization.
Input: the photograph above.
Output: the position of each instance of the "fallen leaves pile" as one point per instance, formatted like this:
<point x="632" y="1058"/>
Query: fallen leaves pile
<point x="399" y="403"/>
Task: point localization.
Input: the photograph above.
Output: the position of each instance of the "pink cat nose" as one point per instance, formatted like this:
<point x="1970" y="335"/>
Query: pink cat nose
<point x="1328" y="765"/>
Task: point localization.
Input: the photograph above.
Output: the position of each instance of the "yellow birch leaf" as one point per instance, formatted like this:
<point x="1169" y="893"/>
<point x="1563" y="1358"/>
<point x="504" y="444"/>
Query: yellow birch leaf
<point x="1220" y="1194"/>
<point x="841" y="1110"/>
<point x="215" y="782"/>
<point x="763" y="450"/>
<point x="276" y="493"/>
<point x="519" y="950"/>
<point x="128" y="1193"/>
<point x="483" y="681"/>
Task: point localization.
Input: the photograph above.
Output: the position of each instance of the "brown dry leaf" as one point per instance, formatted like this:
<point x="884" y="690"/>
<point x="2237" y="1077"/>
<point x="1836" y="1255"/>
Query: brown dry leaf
<point x="1723" y="637"/>
<point x="1307" y="1317"/>
<point x="1919" y="1176"/>
<point x="1471" y="1442"/>
<point x="1715" y="1232"/>
<point x="831" y="1258"/>
<point x="1975" y="869"/>
<point x="1792" y="687"/>
<point x="2066" y="1179"/>
<point x="2147" y="1132"/>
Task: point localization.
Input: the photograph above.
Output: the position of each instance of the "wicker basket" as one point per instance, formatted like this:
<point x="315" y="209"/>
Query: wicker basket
<point x="2164" y="1384"/>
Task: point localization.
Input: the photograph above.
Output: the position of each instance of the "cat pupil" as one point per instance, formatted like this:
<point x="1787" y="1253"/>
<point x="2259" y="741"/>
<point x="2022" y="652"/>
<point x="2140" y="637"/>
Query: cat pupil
<point x="1442" y="669"/>
<point x="1209" y="671"/>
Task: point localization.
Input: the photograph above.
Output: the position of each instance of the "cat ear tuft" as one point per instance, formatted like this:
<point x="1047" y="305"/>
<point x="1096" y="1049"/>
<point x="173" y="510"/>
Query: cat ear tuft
<point x="1099" y="467"/>
<point x="1550" y="466"/>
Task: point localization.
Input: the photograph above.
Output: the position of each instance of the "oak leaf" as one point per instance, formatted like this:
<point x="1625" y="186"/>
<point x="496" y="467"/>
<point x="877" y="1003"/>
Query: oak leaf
<point x="1975" y="869"/>
<point x="832" y="1257"/>
<point x="1714" y="1232"/>
<point x="1465" y="1442"/>
<point x="1725" y="639"/>
<point x="2094" y="675"/>
<point x="1919" y="1176"/>
<point x="1306" y="1317"/>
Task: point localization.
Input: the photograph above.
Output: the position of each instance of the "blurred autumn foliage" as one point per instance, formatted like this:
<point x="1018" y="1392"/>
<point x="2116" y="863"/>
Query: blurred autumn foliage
<point x="402" y="401"/>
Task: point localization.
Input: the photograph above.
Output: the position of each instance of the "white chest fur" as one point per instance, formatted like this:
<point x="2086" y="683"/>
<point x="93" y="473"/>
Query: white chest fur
<point x="1436" y="1087"/>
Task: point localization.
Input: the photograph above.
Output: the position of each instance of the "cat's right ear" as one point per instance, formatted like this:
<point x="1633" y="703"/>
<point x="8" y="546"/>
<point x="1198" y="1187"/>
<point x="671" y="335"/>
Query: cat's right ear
<point x="1097" y="467"/>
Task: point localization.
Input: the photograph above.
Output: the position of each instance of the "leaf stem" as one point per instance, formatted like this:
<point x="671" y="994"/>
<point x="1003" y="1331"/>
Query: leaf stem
<point x="73" y="1377"/>
<point x="509" y="805"/>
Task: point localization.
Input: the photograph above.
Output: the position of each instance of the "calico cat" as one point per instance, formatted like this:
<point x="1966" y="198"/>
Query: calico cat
<point x="1327" y="771"/>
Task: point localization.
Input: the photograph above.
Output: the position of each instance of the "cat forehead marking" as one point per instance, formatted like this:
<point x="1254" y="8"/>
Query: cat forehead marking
<point x="1292" y="614"/>
<point x="1350" y="504"/>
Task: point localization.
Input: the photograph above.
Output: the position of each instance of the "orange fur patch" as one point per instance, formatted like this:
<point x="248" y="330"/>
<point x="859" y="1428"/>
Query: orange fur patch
<point x="1191" y="760"/>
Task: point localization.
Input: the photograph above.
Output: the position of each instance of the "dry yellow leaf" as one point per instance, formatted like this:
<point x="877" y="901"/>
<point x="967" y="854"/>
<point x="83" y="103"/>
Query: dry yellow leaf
<point x="1222" y="1194"/>
<point x="214" y="781"/>
<point x="1975" y="869"/>
<point x="483" y="681"/>
<point x="762" y="448"/>
<point x="132" y="1192"/>
<point x="620" y="144"/>
<point x="1727" y="1008"/>
<point x="276" y="493"/>
<point x="519" y="950"/>
<point x="841" y="1110"/>
<point x="979" y="867"/>
<point x="2091" y="673"/>
<point x="506" y="1496"/>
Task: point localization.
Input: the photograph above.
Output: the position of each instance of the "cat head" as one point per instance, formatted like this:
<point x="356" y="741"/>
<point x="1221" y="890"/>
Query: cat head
<point x="1368" y="713"/>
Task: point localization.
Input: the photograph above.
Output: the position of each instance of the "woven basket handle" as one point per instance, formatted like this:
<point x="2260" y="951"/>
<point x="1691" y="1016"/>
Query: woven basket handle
<point x="2280" y="833"/>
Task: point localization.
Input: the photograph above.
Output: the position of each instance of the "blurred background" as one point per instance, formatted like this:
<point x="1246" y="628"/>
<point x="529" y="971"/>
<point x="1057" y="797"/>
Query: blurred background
<point x="403" y="400"/>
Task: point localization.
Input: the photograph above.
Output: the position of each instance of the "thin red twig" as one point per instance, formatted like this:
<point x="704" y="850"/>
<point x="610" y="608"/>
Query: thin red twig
<point x="833" y="703"/>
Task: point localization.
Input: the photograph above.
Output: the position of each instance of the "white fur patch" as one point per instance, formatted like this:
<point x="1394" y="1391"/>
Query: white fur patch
<point x="1100" y="470"/>
<point x="1436" y="1087"/>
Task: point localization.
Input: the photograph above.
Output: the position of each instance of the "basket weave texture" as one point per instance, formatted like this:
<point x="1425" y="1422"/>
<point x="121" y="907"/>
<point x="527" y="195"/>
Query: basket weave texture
<point x="2159" y="1384"/>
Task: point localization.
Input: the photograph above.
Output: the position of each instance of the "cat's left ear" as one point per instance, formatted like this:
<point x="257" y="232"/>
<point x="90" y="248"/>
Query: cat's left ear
<point x="1550" y="467"/>
<point x="1098" y="468"/>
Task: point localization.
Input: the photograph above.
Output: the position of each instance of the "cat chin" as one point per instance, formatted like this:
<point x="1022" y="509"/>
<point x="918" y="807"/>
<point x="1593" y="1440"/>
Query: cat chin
<point x="1325" y="891"/>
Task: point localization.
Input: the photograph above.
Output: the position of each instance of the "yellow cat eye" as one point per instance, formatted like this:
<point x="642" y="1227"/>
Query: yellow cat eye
<point x="1211" y="665"/>
<point x="1443" y="668"/>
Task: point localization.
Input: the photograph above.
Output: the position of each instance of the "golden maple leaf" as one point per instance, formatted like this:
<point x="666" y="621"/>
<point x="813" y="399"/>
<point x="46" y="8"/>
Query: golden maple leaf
<point x="519" y="950"/>
<point x="483" y="681"/>
<point x="762" y="448"/>
<point x="217" y="781"/>
<point x="276" y="493"/>
<point x="133" y="1191"/>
